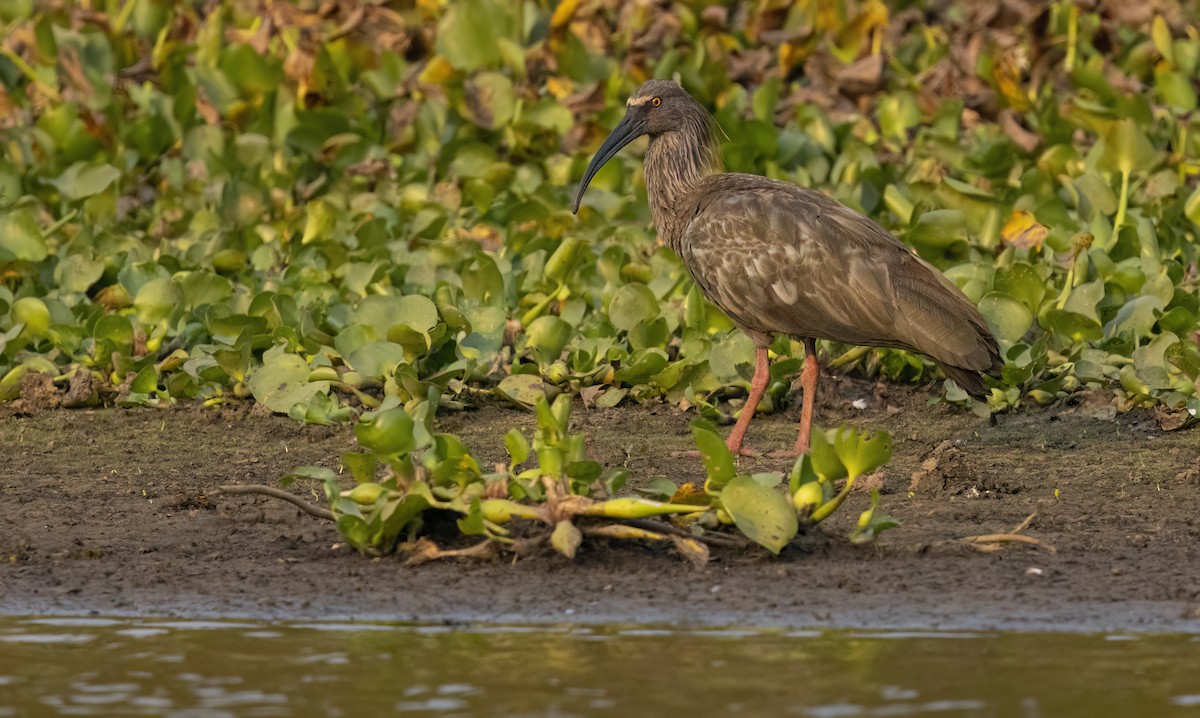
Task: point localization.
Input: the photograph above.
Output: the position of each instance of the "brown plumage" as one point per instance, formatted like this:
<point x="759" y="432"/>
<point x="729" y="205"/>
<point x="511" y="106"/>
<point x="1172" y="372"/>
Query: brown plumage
<point x="779" y="258"/>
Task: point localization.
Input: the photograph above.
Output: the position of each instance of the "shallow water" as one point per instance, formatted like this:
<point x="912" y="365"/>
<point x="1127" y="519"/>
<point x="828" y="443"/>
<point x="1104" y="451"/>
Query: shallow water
<point x="103" y="666"/>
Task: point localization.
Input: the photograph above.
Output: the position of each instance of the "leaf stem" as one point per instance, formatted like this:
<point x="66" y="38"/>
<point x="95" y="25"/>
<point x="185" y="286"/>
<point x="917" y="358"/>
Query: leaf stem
<point x="27" y="70"/>
<point x="1072" y="35"/>
<point x="1120" y="220"/>
<point x="537" y="309"/>
<point x="824" y="510"/>
<point x="849" y="357"/>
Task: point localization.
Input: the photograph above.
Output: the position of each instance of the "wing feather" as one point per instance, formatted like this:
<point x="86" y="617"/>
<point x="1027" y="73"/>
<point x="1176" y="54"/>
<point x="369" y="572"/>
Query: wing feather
<point x="783" y="259"/>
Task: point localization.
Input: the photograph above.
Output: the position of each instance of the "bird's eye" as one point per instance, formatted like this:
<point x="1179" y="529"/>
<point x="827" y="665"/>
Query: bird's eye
<point x="656" y="101"/>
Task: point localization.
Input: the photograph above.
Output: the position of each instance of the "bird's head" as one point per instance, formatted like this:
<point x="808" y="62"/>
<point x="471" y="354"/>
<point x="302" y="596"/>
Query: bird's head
<point x="656" y="107"/>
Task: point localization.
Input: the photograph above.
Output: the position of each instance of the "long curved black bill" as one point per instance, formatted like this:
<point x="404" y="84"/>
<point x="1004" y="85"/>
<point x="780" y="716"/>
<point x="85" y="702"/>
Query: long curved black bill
<point x="626" y="131"/>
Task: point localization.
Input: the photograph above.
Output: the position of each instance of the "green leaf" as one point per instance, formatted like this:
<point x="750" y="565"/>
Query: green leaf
<point x="388" y="433"/>
<point x="1126" y="148"/>
<point x="200" y="288"/>
<point x="642" y="365"/>
<point x="616" y="481"/>
<point x="659" y="487"/>
<point x="1191" y="208"/>
<point x="517" y="446"/>
<point x="871" y="524"/>
<point x="77" y="272"/>
<point x="825" y="459"/>
<point x="730" y="356"/>
<point x="21" y="237"/>
<point x="252" y="73"/>
<point x="1160" y="34"/>
<point x="936" y="232"/>
<point x="398" y="513"/>
<point x="761" y="513"/>
<point x="718" y="460"/>
<point x="802" y="473"/>
<point x="1023" y="283"/>
<point x="1176" y="89"/>
<point x="1008" y="318"/>
<point x="861" y="453"/>
<point x="547" y="336"/>
<point x="1137" y="316"/>
<point x="82" y="180"/>
<point x="1084" y="298"/>
<point x="473" y="523"/>
<point x="157" y="301"/>
<point x="362" y="465"/>
<point x="115" y="329"/>
<point x="633" y="303"/>
<point x="1075" y="327"/>
<point x="376" y="359"/>
<point x="381" y="313"/>
<point x="467" y="34"/>
<point x="282" y="381"/>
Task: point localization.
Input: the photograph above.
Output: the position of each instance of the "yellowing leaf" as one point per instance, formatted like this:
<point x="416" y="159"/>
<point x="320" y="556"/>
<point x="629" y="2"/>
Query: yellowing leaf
<point x="437" y="72"/>
<point x="1023" y="231"/>
<point x="566" y="538"/>
<point x="762" y="513"/>
<point x="562" y="14"/>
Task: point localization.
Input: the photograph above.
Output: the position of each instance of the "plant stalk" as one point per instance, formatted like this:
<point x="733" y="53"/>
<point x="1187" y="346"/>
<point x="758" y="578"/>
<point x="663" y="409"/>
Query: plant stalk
<point x="1120" y="220"/>
<point x="824" y="510"/>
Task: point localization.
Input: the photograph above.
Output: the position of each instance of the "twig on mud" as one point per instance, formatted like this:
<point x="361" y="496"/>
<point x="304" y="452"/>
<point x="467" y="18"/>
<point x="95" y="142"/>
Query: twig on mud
<point x="992" y="542"/>
<point x="982" y="541"/>
<point x="277" y="494"/>
<point x="1024" y="524"/>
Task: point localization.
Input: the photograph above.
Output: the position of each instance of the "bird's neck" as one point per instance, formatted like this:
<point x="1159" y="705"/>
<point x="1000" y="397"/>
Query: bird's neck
<point x="675" y="162"/>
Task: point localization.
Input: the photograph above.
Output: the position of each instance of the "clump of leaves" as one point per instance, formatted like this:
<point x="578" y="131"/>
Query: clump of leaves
<point x="424" y="471"/>
<point x="408" y="470"/>
<point x="767" y="516"/>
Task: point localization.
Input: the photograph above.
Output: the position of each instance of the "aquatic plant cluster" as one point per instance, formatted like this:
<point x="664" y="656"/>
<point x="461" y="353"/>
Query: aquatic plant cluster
<point x="563" y="497"/>
<point x="339" y="207"/>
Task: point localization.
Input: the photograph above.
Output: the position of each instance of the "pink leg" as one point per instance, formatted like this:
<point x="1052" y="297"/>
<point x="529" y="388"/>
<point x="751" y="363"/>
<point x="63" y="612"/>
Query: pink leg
<point x="758" y="387"/>
<point x="808" y="381"/>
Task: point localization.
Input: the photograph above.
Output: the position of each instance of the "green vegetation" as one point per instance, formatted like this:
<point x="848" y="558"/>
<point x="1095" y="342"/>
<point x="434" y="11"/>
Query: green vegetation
<point x="564" y="495"/>
<point x="335" y="208"/>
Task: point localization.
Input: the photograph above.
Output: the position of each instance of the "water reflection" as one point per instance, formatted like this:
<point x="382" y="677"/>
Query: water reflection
<point x="104" y="666"/>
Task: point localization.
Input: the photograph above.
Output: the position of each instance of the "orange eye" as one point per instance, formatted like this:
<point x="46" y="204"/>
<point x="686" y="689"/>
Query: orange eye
<point x="656" y="101"/>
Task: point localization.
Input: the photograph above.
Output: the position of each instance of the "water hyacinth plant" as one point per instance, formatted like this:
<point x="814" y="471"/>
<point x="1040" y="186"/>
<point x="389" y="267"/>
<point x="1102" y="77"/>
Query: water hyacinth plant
<point x="409" y="470"/>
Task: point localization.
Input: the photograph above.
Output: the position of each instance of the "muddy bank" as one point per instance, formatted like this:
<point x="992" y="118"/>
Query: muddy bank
<point x="108" y="511"/>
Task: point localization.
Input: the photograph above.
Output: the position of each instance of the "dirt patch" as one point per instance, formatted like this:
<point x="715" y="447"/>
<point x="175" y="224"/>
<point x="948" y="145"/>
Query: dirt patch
<point x="109" y="511"/>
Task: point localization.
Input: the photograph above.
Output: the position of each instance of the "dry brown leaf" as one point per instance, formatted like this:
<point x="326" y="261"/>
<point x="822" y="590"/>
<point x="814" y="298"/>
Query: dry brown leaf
<point x="693" y="550"/>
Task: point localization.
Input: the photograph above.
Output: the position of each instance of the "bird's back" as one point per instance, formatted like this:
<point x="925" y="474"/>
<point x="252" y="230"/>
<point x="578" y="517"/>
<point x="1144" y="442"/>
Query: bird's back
<point x="783" y="259"/>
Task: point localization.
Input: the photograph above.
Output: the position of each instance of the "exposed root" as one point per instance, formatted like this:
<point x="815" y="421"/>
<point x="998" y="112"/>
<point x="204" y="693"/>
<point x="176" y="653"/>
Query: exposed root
<point x="424" y="551"/>
<point x="275" y="493"/>
<point x="710" y="537"/>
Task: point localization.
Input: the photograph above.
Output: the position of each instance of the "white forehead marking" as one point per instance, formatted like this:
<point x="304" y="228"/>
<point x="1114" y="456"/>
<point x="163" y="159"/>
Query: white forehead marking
<point x="635" y="101"/>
